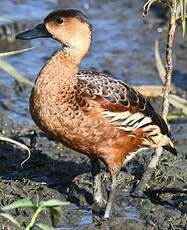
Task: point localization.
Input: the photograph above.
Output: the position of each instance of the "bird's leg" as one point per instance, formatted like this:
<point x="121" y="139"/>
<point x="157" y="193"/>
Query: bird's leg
<point x="97" y="190"/>
<point x="110" y="197"/>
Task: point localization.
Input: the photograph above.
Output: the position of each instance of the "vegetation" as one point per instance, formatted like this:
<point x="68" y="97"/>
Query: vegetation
<point x="11" y="70"/>
<point x="18" y="77"/>
<point x="178" y="13"/>
<point x="52" y="205"/>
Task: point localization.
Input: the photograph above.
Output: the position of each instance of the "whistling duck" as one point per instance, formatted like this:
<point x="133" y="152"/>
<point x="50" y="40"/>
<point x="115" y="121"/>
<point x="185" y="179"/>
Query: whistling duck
<point x="89" y="111"/>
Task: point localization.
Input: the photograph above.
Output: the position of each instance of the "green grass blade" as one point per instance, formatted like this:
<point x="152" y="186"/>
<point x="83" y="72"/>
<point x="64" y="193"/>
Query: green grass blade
<point x="44" y="226"/>
<point x="178" y="102"/>
<point x="5" y="19"/>
<point x="24" y="203"/>
<point x="10" y="53"/>
<point x="183" y="15"/>
<point x="10" y="218"/>
<point x="174" y="116"/>
<point x="159" y="64"/>
<point x="14" y="73"/>
<point x="52" y="203"/>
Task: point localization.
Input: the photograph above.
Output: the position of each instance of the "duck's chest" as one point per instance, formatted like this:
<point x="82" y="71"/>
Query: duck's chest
<point x="64" y="121"/>
<point x="55" y="110"/>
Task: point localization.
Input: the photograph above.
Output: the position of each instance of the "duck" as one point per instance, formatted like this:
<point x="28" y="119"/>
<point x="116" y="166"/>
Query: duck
<point x="89" y="111"/>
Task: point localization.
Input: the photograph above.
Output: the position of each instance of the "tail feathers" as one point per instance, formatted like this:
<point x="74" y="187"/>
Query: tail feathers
<point x="171" y="148"/>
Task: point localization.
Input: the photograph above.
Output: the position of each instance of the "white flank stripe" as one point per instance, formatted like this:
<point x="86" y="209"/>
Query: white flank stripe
<point x="117" y="116"/>
<point x="153" y="128"/>
<point x="133" y="117"/>
<point x="130" y="121"/>
<point x="145" y="121"/>
<point x="121" y="116"/>
<point x="127" y="129"/>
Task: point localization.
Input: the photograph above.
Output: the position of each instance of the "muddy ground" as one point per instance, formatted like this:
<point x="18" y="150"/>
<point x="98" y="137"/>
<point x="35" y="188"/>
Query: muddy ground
<point x="54" y="171"/>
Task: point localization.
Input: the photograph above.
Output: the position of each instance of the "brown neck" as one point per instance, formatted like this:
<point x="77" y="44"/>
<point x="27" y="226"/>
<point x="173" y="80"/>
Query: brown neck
<point x="60" y="70"/>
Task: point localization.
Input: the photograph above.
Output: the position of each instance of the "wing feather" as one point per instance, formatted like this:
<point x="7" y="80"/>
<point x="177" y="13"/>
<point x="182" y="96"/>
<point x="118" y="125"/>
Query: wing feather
<point x="129" y="110"/>
<point x="117" y="97"/>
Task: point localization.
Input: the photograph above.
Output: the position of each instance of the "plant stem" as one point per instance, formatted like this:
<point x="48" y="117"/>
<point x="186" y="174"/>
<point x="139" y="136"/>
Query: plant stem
<point x="165" y="104"/>
<point x="169" y="60"/>
<point x="33" y="220"/>
<point x="14" y="73"/>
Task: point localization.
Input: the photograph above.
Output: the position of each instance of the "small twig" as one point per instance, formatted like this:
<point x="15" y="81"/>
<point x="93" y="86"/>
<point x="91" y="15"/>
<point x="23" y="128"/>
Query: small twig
<point x="24" y="147"/>
<point x="169" y="60"/>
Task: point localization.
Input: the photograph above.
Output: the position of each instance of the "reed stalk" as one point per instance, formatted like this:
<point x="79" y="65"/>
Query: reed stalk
<point x="177" y="11"/>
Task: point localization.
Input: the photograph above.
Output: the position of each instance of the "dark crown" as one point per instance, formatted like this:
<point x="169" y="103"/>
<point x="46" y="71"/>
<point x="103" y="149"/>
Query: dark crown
<point x="69" y="13"/>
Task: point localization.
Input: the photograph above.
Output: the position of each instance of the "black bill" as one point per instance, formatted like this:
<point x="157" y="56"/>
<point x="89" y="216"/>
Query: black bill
<point x="39" y="31"/>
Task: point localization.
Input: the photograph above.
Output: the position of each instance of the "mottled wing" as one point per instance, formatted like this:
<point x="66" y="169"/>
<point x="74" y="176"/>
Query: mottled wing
<point x="116" y="96"/>
<point x="126" y="108"/>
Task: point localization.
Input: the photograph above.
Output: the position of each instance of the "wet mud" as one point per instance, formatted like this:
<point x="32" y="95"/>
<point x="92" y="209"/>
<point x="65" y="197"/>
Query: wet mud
<point x="54" y="171"/>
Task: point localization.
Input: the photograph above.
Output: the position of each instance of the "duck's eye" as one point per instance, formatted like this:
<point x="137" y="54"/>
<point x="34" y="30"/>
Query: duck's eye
<point x="59" y="20"/>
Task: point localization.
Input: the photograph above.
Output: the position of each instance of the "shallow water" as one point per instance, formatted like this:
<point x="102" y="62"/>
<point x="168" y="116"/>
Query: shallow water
<point x="123" y="44"/>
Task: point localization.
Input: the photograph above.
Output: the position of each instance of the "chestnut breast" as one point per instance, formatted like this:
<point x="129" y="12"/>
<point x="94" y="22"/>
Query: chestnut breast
<point x="56" y="111"/>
